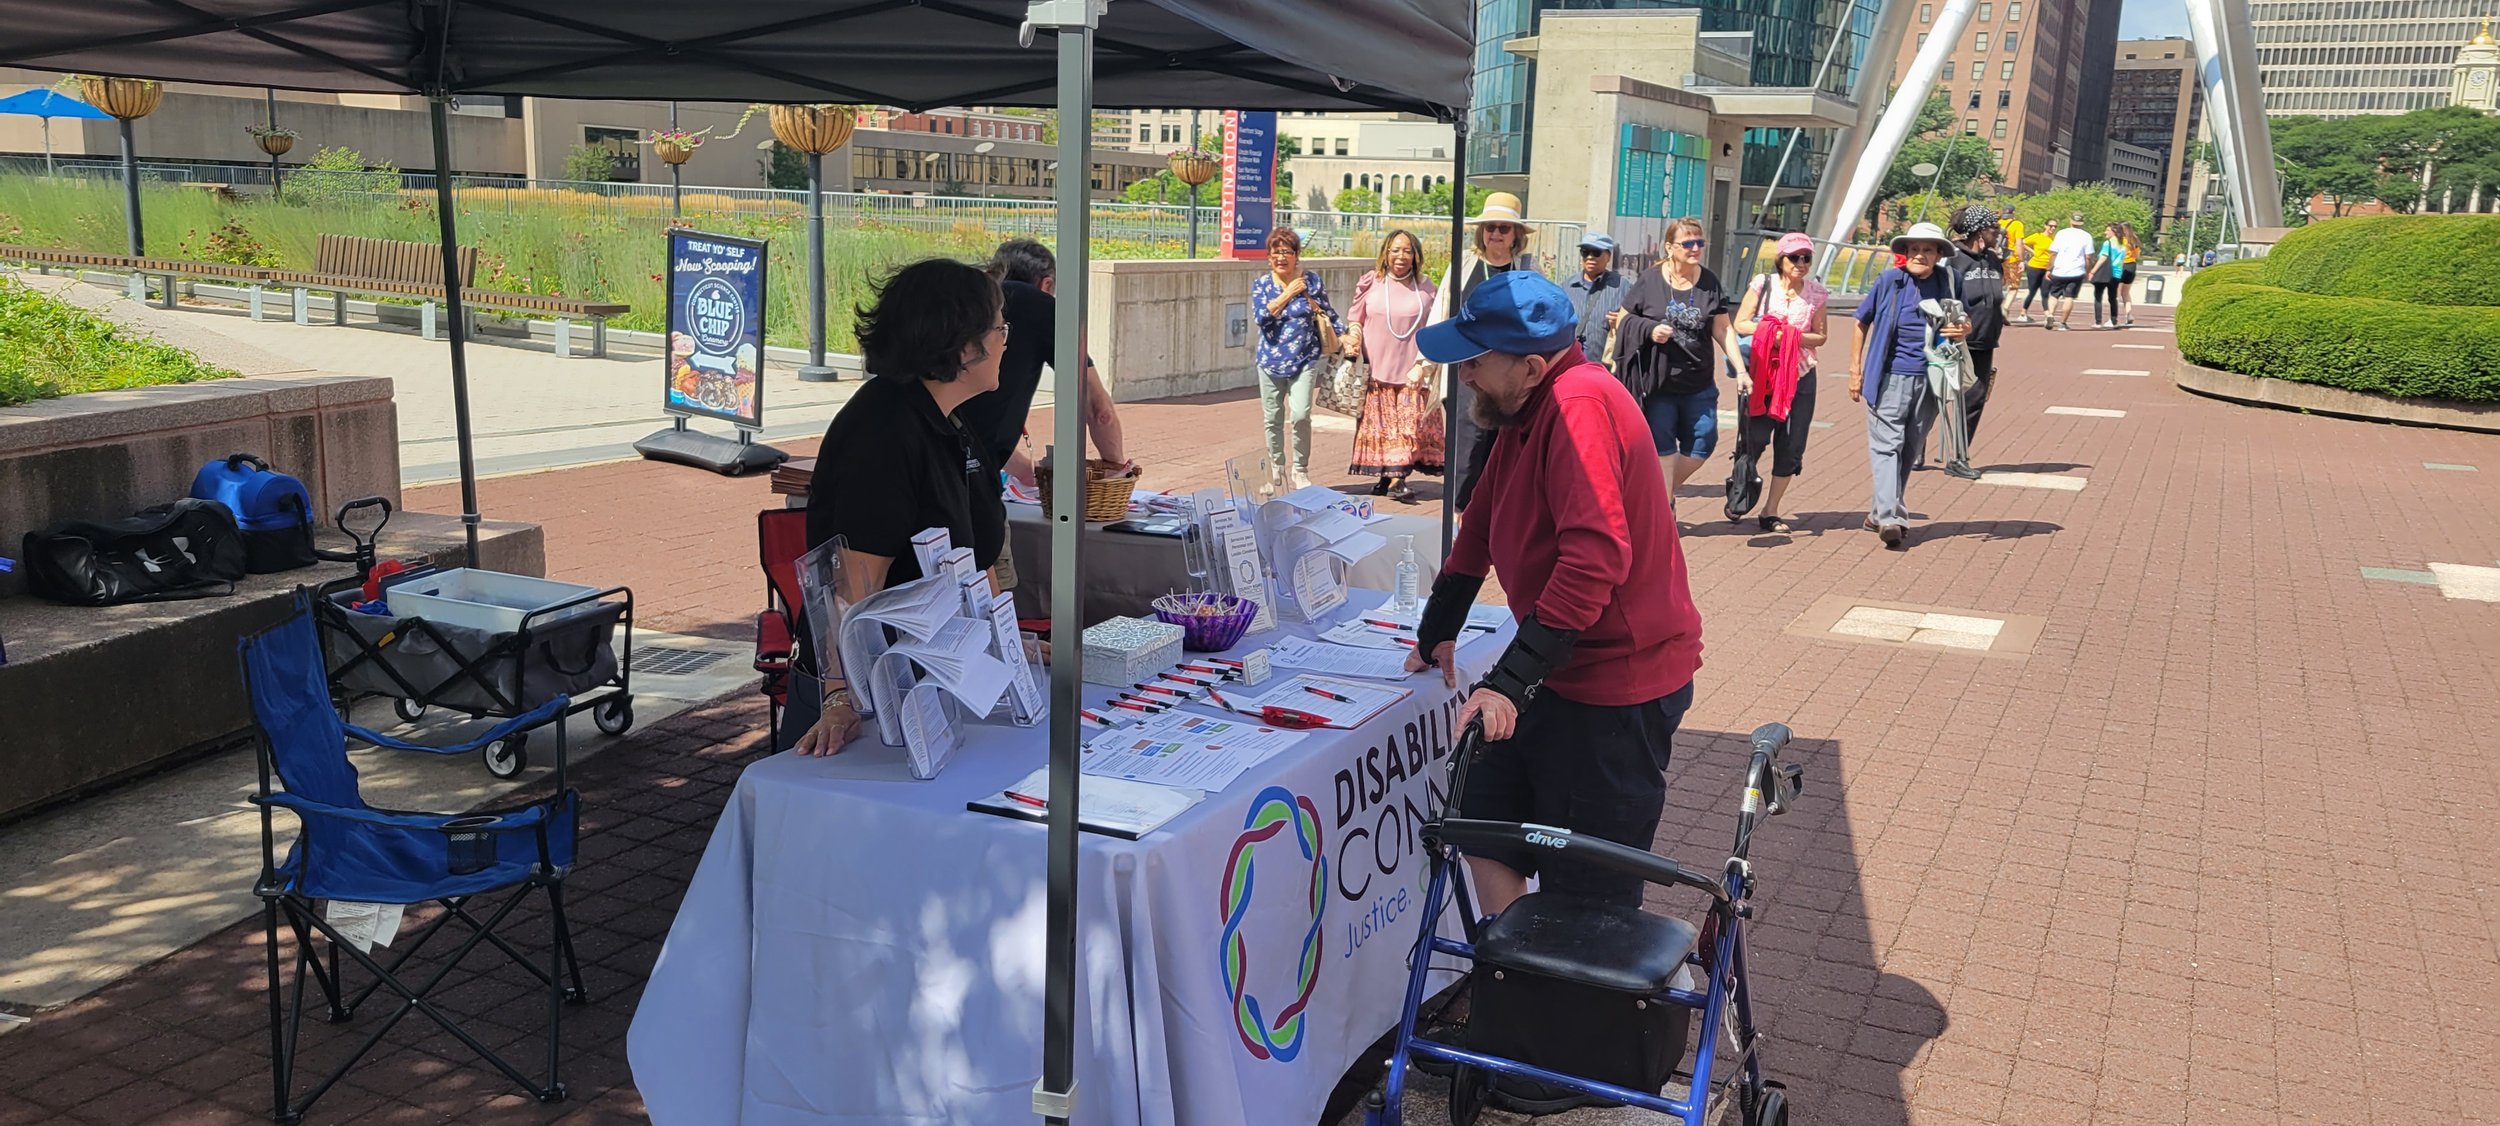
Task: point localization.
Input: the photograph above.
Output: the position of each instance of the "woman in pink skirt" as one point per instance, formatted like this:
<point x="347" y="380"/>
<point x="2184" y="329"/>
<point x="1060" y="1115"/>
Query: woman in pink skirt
<point x="1400" y="430"/>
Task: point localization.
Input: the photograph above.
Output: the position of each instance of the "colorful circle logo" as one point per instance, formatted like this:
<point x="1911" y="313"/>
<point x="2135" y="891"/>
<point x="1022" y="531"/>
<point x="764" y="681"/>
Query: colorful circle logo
<point x="1277" y="1037"/>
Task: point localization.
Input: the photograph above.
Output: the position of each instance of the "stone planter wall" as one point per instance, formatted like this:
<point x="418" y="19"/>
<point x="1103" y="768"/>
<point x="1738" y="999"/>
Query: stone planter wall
<point x="1159" y="329"/>
<point x="2319" y="399"/>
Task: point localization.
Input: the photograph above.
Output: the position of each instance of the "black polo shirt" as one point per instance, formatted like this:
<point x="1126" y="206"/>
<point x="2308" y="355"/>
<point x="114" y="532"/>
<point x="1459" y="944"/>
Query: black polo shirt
<point x="996" y="419"/>
<point x="891" y="466"/>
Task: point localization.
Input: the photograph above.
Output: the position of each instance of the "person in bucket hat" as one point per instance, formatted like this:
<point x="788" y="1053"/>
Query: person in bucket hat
<point x="1580" y="710"/>
<point x="1888" y="349"/>
<point x="1498" y="235"/>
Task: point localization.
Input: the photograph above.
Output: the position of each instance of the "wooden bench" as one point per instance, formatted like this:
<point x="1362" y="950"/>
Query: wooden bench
<point x="344" y="264"/>
<point x="139" y="269"/>
<point x="352" y="264"/>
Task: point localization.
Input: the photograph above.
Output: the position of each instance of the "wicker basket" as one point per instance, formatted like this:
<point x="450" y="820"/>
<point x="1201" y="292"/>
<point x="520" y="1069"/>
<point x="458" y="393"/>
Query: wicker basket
<point x="1107" y="488"/>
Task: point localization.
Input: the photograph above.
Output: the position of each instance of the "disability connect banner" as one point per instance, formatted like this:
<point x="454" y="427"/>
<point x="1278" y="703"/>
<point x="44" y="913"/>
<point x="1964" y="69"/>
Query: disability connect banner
<point x="715" y="328"/>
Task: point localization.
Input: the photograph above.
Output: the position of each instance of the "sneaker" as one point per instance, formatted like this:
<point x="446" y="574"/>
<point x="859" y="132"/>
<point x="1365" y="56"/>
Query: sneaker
<point x="2059" y="326"/>
<point x="1961" y="469"/>
<point x="1301" y="480"/>
<point x="1869" y="525"/>
<point x="1894" y="535"/>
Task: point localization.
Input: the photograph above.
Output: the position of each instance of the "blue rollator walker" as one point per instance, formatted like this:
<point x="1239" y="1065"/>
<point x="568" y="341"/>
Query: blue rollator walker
<point x="1612" y="950"/>
<point x="348" y="852"/>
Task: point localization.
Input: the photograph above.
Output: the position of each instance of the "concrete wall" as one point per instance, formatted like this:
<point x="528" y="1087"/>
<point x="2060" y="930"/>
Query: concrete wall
<point x="1159" y="329"/>
<point x="555" y="126"/>
<point x="206" y="123"/>
<point x="108" y="454"/>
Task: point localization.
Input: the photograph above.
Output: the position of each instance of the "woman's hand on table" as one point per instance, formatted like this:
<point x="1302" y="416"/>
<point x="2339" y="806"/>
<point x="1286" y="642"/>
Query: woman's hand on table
<point x="1500" y="716"/>
<point x="1444" y="655"/>
<point x="834" y="729"/>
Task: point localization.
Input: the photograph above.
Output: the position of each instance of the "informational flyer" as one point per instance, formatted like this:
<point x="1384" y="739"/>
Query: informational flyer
<point x="715" y="328"/>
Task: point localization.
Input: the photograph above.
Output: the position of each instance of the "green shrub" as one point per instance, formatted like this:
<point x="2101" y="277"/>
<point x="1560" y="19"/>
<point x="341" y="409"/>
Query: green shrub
<point x="2246" y="271"/>
<point x="2356" y="343"/>
<point x="2422" y="259"/>
<point x="50" y="348"/>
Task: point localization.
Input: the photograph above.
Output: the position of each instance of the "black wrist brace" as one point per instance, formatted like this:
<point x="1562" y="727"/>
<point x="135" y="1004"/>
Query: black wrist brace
<point x="1533" y="655"/>
<point x="1445" y="613"/>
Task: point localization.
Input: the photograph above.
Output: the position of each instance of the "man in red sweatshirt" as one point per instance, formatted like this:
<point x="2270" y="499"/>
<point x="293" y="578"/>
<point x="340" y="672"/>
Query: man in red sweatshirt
<point x="1580" y="712"/>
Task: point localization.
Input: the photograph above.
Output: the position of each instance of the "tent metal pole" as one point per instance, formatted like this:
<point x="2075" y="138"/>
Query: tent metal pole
<point x="1453" y="459"/>
<point x="130" y="189"/>
<point x="1055" y="1097"/>
<point x="275" y="188"/>
<point x="676" y="175"/>
<point x="815" y="371"/>
<point x="444" y="210"/>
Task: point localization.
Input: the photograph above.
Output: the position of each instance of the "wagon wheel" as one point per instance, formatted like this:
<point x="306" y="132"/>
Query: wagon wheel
<point x="614" y="715"/>
<point x="408" y="710"/>
<point x="507" y="757"/>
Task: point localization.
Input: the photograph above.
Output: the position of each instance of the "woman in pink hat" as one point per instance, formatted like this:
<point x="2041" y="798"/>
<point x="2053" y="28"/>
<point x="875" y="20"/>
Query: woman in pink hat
<point x="1779" y="412"/>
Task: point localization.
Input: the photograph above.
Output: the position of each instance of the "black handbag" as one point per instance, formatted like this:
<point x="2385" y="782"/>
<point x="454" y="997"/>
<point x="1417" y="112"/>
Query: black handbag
<point x="187" y="549"/>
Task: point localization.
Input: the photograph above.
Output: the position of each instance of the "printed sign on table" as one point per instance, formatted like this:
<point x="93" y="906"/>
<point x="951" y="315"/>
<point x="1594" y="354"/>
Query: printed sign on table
<point x="1249" y="182"/>
<point x="715" y="328"/>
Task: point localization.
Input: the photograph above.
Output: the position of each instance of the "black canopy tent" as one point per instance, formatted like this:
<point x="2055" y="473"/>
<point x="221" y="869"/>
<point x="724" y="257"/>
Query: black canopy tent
<point x="1406" y="55"/>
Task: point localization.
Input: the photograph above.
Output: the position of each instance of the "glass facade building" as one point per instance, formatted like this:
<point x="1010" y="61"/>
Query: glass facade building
<point x="1789" y="39"/>
<point x="2347" y="59"/>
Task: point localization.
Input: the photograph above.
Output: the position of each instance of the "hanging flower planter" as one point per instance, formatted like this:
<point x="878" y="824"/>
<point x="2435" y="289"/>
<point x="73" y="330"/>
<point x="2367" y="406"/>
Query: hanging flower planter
<point x="125" y="98"/>
<point x="1192" y="168"/>
<point x="674" y="146"/>
<point x="272" y="140"/>
<point x="816" y="129"/>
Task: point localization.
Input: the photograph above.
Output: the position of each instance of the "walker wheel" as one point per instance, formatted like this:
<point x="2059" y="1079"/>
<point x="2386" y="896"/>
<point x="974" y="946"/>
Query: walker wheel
<point x="1773" y="1110"/>
<point x="614" y="715"/>
<point x="508" y="757"/>
<point x="408" y="710"/>
<point x="1470" y="1090"/>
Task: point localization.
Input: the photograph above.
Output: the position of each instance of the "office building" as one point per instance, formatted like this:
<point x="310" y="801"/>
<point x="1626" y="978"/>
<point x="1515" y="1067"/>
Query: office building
<point x="1789" y="41"/>
<point x="2318" y="58"/>
<point x="2135" y="171"/>
<point x="2157" y="105"/>
<point x="2031" y="80"/>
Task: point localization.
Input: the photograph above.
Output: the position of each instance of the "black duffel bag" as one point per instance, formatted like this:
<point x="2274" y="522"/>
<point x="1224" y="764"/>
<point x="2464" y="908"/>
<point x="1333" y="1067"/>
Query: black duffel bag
<point x="187" y="549"/>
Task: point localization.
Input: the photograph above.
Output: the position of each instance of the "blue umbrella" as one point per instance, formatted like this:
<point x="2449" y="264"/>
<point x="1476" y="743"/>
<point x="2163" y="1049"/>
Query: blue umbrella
<point x="48" y="104"/>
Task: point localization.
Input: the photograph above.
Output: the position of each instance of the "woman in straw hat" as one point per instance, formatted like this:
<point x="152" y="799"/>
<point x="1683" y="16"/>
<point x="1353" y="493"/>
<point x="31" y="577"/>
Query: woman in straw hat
<point x="1499" y="246"/>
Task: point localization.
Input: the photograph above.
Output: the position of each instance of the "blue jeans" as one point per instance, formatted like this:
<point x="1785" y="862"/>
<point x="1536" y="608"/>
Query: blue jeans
<point x="1686" y="425"/>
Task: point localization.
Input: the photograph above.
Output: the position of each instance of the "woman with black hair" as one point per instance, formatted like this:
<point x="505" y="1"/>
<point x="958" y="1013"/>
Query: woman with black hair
<point x="896" y="460"/>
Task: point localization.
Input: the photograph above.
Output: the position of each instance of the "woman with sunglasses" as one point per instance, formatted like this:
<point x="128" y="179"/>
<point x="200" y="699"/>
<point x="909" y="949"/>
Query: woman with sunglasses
<point x="1788" y="293"/>
<point x="1889" y="347"/>
<point x="1500" y="246"/>
<point x="1666" y="338"/>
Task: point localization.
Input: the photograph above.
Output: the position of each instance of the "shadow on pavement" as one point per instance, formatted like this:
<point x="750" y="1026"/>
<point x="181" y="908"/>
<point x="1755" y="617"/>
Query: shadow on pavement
<point x="1838" y="1031"/>
<point x="1984" y="529"/>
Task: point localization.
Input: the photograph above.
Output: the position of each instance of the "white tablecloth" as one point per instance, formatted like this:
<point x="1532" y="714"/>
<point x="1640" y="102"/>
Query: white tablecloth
<point x="857" y="947"/>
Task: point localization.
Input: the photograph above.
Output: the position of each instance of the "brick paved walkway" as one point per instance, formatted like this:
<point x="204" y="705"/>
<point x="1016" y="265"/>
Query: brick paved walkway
<point x="2217" y="850"/>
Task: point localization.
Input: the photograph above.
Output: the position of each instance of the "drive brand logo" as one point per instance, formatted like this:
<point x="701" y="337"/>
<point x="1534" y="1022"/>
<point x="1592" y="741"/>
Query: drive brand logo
<point x="1547" y="836"/>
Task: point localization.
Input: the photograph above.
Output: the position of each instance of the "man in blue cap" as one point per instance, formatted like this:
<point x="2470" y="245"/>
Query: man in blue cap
<point x="1596" y="292"/>
<point x="1580" y="712"/>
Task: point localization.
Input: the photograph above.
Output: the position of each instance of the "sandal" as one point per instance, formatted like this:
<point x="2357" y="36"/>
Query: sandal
<point x="1401" y="494"/>
<point x="1774" y="524"/>
<point x="1380" y="488"/>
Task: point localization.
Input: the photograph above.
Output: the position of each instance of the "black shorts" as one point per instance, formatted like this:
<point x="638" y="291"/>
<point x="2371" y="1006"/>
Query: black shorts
<point x="1583" y="767"/>
<point x="2065" y="287"/>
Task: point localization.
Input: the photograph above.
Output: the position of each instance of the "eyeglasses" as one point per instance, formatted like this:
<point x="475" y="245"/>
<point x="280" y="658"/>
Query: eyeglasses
<point x="1591" y="252"/>
<point x="1694" y="243"/>
<point x="1801" y="257"/>
<point x="1001" y="329"/>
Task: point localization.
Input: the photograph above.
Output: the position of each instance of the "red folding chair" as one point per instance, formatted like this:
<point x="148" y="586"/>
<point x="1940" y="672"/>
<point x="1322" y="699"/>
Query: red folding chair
<point x="781" y="537"/>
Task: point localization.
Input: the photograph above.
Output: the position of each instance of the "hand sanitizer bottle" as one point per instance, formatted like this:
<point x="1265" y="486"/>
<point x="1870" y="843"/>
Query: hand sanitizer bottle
<point x="1410" y="577"/>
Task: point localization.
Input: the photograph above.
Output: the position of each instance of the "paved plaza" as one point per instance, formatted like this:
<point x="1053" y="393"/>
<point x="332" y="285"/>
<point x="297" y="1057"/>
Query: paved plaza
<point x="2153" y="784"/>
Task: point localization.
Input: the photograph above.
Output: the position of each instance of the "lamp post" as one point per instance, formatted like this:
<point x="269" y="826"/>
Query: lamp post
<point x="814" y="130"/>
<point x="127" y="99"/>
<point x="1192" y="168"/>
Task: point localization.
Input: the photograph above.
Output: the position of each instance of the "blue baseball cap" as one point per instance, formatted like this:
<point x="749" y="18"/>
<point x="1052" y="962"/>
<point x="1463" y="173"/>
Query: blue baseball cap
<point x="1598" y="240"/>
<point x="1517" y="314"/>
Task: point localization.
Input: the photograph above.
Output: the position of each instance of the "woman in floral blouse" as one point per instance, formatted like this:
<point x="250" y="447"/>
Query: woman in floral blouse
<point x="1290" y="301"/>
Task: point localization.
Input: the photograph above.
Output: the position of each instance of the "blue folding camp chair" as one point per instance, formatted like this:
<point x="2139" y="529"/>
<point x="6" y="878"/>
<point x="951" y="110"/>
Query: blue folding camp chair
<point x="347" y="851"/>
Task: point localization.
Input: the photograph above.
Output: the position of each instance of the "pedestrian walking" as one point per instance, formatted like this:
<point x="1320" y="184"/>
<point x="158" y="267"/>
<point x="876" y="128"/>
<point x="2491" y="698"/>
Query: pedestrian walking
<point x="1673" y="321"/>
<point x="1888" y="350"/>
<point x="2035" y="258"/>
<point x="1596" y="292"/>
<point x="2070" y="260"/>
<point x="2134" y="251"/>
<point x="1988" y="301"/>
<point x="2109" y="263"/>
<point x="1500" y="245"/>
<point x="1399" y="431"/>
<point x="1783" y="311"/>
<point x="1292" y="310"/>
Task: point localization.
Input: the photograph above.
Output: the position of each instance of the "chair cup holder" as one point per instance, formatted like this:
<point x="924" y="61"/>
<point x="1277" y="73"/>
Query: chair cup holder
<point x="471" y="847"/>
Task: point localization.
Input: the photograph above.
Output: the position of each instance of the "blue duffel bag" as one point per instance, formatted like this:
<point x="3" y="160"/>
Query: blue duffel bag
<point x="273" y="510"/>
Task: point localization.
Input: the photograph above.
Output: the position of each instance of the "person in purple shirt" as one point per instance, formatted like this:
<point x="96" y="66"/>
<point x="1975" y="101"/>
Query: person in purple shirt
<point x="1889" y="347"/>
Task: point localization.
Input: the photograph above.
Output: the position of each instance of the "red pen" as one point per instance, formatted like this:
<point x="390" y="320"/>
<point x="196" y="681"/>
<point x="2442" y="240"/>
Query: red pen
<point x="1223" y="662"/>
<point x="1134" y="706"/>
<point x="1035" y="802"/>
<point x="1291" y="717"/>
<point x="1209" y="670"/>
<point x="1385" y="625"/>
<point x="1177" y="678"/>
<point x="1163" y="691"/>
<point x="1327" y="695"/>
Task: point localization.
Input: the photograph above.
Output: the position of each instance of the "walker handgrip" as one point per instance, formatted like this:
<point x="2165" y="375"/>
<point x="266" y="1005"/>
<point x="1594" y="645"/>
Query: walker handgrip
<point x="1770" y="737"/>
<point x="1577" y="847"/>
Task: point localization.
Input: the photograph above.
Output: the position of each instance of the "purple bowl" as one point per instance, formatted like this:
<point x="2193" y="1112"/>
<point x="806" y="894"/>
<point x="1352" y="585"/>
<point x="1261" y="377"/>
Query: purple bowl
<point x="1209" y="633"/>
